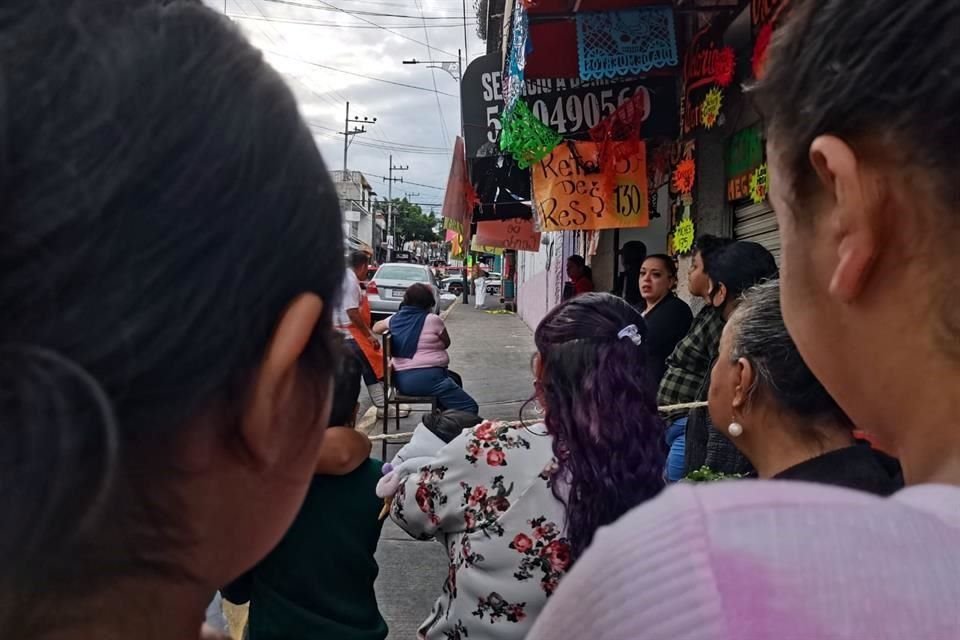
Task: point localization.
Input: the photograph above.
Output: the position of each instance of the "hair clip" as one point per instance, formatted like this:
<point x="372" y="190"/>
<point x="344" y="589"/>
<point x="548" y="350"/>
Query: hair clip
<point x="630" y="331"/>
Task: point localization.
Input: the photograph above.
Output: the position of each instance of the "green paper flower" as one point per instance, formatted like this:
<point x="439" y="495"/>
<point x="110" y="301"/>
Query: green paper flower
<point x="525" y="137"/>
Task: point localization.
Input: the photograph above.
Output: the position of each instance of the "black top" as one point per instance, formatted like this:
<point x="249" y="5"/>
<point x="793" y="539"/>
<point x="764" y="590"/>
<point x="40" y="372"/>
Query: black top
<point x="318" y="582"/>
<point x="667" y="324"/>
<point x="857" y="467"/>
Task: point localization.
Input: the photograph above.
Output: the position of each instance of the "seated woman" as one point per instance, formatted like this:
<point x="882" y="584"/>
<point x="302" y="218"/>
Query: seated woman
<point x="778" y="414"/>
<point x="668" y="317"/>
<point x="516" y="506"/>
<point x="419" y="342"/>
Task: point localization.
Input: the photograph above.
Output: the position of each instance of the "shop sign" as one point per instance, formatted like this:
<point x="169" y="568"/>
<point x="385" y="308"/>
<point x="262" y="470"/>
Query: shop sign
<point x="744" y="155"/>
<point x="765" y="12"/>
<point x="518" y="234"/>
<point x="569" y="106"/>
<point x="708" y="64"/>
<point x="568" y="196"/>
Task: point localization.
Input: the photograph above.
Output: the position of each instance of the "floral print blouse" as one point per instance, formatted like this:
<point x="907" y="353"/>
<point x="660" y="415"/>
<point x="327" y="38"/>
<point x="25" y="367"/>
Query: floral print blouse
<point x="487" y="496"/>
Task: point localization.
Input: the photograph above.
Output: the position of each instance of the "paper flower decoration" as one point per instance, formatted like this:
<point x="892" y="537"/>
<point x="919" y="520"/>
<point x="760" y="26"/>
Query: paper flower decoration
<point x="726" y="67"/>
<point x="764" y="36"/>
<point x="684" y="176"/>
<point x="710" y="109"/>
<point x="683" y="236"/>
<point x="525" y="137"/>
<point x="758" y="184"/>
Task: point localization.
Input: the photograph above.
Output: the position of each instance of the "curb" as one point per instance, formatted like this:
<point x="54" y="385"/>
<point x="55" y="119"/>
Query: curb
<point x="445" y="313"/>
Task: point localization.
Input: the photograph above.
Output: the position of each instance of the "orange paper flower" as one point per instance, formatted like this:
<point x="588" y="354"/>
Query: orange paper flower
<point x="684" y="176"/>
<point x="726" y="67"/>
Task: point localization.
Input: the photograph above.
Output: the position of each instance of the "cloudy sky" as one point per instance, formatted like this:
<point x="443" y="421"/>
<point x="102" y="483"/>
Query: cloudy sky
<point x="308" y="41"/>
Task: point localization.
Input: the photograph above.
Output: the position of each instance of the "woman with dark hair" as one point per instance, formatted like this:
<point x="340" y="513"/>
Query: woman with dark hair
<point x="732" y="271"/>
<point x="419" y="343"/>
<point x="581" y="277"/>
<point x="516" y="507"/>
<point x="775" y="411"/>
<point x="668" y="317"/>
<point x="859" y="102"/>
<point x="164" y="368"/>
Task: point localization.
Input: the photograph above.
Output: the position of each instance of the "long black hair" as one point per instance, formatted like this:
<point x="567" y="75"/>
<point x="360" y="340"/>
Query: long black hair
<point x="601" y="410"/>
<point x="161" y="203"/>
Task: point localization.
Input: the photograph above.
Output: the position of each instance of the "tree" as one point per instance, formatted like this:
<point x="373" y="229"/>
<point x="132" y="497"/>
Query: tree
<point x="411" y="223"/>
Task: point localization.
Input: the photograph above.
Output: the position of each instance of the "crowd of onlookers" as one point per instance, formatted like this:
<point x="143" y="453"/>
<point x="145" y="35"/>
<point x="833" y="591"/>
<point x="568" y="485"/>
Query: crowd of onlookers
<point x="178" y="385"/>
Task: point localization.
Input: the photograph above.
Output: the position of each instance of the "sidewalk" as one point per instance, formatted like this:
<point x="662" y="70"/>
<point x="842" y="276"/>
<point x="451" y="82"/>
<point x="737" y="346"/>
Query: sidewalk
<point x="493" y="354"/>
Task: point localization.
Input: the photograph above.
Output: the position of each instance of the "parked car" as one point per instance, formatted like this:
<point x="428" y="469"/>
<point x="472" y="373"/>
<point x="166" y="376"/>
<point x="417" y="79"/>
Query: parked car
<point x="494" y="283"/>
<point x="385" y="291"/>
<point x="452" y="285"/>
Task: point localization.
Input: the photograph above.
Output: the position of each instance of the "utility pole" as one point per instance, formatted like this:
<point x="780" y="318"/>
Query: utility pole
<point x="348" y="134"/>
<point x="391" y="237"/>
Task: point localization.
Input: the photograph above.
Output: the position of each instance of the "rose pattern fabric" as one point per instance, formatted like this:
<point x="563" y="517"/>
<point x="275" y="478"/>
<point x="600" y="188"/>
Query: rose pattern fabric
<point x="487" y="496"/>
<point x="545" y="552"/>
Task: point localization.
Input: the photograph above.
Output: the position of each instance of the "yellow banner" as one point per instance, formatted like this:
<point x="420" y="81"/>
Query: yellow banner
<point x="567" y="197"/>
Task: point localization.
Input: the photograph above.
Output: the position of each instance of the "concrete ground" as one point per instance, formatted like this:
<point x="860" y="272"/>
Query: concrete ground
<point x="492" y="352"/>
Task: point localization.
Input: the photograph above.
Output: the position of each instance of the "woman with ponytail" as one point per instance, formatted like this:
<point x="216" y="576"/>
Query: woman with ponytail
<point x="517" y="506"/>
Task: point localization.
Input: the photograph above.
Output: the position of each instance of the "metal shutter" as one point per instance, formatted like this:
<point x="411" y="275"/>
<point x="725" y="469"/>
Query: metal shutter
<point x="758" y="223"/>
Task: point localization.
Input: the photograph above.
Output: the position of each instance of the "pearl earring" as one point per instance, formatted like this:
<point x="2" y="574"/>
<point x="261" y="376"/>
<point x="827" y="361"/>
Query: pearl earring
<point x="735" y="429"/>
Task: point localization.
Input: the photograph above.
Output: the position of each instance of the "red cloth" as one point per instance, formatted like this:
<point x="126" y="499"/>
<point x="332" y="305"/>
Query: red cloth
<point x="583" y="285"/>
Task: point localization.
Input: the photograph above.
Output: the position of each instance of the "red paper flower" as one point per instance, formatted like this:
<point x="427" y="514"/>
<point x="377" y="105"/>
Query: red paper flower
<point x="684" y="176"/>
<point x="726" y="67"/>
<point x="764" y="36"/>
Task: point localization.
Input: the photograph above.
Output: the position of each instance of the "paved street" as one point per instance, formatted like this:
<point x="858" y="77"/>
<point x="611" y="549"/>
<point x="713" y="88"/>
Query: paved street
<point x="492" y="353"/>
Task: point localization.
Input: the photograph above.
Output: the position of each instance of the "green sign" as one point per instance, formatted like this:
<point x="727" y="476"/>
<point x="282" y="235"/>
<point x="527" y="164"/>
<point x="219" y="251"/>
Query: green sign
<point x="744" y="152"/>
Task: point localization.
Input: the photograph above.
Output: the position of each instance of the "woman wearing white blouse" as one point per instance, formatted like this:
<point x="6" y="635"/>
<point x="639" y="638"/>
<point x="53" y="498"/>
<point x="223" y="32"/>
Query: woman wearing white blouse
<point x="515" y="507"/>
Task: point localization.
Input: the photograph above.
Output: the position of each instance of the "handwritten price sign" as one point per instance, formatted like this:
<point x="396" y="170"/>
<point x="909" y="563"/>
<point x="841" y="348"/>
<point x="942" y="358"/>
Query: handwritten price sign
<point x="517" y="234"/>
<point x="567" y="197"/>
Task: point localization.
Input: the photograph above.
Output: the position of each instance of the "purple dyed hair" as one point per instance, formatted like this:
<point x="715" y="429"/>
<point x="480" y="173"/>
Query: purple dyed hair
<point x="600" y="407"/>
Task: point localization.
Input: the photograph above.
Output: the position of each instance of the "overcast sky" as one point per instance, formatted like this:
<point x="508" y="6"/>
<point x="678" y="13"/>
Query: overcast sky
<point x="347" y="41"/>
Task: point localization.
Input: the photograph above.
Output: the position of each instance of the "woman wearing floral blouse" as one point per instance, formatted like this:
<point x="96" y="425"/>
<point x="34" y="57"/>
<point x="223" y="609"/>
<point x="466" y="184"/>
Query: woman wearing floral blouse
<point x="515" y="507"/>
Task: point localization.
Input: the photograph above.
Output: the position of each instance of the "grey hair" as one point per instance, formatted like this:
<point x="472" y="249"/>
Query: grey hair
<point x="760" y="336"/>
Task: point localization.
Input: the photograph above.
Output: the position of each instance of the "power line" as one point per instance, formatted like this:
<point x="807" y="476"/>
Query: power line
<point x="400" y="144"/>
<point x="390" y="147"/>
<point x="359" y="75"/>
<point x="359" y="16"/>
<point x="433" y="76"/>
<point x="312" y="23"/>
<point x="414" y="184"/>
<point x="359" y="12"/>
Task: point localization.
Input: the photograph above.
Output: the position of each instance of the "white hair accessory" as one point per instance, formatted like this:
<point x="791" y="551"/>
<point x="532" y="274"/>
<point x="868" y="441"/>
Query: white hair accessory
<point x="632" y="333"/>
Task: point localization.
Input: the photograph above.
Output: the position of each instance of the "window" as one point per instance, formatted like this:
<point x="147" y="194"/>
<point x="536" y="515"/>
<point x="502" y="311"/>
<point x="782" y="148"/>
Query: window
<point x="355" y="229"/>
<point x="404" y="273"/>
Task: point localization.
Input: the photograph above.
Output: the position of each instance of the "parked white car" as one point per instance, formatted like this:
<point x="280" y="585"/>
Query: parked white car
<point x="385" y="291"/>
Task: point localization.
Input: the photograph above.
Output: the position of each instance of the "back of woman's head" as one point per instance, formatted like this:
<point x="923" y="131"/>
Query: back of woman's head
<point x="419" y="296"/>
<point x="759" y="335"/>
<point x="162" y="204"/>
<point x="600" y="409"/>
<point x="739" y="266"/>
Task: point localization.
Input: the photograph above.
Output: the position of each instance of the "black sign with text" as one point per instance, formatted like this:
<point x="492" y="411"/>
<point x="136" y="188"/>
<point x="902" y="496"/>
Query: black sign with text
<point x="570" y="106"/>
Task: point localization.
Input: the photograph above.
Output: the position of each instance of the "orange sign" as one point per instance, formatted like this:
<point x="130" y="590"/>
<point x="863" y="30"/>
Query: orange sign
<point x="517" y="234"/>
<point x="566" y="196"/>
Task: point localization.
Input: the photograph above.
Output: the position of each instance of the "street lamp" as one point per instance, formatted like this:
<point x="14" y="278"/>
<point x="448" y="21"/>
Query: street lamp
<point x="457" y="74"/>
